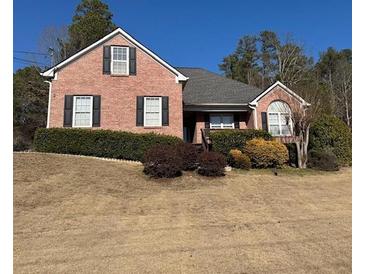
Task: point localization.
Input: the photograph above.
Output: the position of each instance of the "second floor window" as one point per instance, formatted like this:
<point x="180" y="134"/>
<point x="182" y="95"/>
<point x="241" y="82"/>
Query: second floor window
<point x="120" y="60"/>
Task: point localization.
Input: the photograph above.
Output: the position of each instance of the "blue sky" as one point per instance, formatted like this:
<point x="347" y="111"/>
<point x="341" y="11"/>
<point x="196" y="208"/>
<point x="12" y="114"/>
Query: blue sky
<point x="196" y="33"/>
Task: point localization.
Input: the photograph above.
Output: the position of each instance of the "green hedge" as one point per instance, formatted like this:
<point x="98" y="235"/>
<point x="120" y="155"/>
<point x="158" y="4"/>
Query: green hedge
<point x="331" y="134"/>
<point x="225" y="140"/>
<point x="99" y="143"/>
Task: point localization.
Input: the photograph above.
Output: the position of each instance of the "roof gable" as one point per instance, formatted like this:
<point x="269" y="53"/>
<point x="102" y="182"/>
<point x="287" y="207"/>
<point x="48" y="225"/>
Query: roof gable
<point x="285" y="88"/>
<point x="51" y="72"/>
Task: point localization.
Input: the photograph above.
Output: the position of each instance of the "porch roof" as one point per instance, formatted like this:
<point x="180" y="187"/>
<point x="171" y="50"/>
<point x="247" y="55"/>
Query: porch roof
<point x="205" y="87"/>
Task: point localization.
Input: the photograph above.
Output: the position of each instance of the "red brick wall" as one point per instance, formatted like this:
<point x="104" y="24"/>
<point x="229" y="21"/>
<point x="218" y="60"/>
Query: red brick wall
<point x="277" y="93"/>
<point x="118" y="93"/>
<point x="250" y="120"/>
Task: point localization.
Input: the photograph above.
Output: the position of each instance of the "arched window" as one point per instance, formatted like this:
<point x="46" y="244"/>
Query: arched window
<point x="279" y="119"/>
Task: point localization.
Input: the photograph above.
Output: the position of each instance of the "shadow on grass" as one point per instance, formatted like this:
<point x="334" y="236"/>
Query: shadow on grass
<point x="286" y="171"/>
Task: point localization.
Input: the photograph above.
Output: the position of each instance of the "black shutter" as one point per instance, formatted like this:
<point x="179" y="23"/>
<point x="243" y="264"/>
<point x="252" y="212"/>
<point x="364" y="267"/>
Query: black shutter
<point x="165" y="110"/>
<point x="106" y="59"/>
<point x="132" y="61"/>
<point x="96" y="110"/>
<point x="236" y="118"/>
<point x="207" y="120"/>
<point x="67" y="116"/>
<point x="140" y="110"/>
<point x="264" y="120"/>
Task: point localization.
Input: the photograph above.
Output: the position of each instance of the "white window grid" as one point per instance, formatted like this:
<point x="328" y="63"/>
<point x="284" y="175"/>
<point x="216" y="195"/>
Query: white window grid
<point x="147" y="111"/>
<point x="85" y="109"/>
<point x="119" y="58"/>
<point x="283" y="119"/>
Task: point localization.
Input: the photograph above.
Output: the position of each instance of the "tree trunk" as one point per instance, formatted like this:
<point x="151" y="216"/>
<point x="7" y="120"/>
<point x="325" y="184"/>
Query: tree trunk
<point x="299" y="158"/>
<point x="347" y="113"/>
<point x="302" y="148"/>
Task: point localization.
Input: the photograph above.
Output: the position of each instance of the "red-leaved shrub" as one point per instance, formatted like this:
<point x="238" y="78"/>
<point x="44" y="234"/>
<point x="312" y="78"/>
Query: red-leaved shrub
<point x="189" y="154"/>
<point x="162" y="161"/>
<point x="211" y="164"/>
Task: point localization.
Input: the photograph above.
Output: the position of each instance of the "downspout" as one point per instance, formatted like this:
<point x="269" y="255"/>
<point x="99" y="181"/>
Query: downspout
<point x="49" y="101"/>
<point x="253" y="107"/>
<point x="255" y="117"/>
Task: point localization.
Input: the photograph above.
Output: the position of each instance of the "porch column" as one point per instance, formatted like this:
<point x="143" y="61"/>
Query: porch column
<point x="200" y="123"/>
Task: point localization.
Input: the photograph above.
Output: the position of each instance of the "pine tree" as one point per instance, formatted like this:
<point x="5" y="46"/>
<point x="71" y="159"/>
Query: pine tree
<point x="92" y="21"/>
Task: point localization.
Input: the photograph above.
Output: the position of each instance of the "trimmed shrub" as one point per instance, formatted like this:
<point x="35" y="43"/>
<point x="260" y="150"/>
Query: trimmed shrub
<point x="239" y="160"/>
<point x="99" y="143"/>
<point x="233" y="153"/>
<point x="211" y="164"/>
<point x="162" y="161"/>
<point x="265" y="154"/>
<point x="224" y="140"/>
<point x="189" y="154"/>
<point x="322" y="160"/>
<point x="330" y="133"/>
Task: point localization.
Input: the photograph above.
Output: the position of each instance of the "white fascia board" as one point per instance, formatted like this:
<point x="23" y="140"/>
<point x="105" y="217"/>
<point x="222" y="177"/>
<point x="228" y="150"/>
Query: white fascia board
<point x="288" y="90"/>
<point x="179" y="76"/>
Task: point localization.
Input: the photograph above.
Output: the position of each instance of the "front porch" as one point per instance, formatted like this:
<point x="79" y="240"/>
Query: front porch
<point x="196" y="121"/>
<point x="198" y="125"/>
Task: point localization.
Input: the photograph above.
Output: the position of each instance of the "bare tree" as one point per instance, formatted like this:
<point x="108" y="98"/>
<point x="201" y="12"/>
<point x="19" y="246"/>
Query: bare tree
<point x="343" y="91"/>
<point x="302" y="116"/>
<point x="291" y="62"/>
<point x="335" y="71"/>
<point x="53" y="40"/>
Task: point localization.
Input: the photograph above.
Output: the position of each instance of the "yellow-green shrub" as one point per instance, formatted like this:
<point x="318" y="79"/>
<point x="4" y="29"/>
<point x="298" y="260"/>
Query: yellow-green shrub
<point x="265" y="154"/>
<point x="239" y="160"/>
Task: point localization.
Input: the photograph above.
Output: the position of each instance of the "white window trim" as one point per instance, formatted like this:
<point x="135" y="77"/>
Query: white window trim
<point x="279" y="119"/>
<point x="221" y="114"/>
<point x="144" y="111"/>
<point x="74" y="112"/>
<point x="112" y="60"/>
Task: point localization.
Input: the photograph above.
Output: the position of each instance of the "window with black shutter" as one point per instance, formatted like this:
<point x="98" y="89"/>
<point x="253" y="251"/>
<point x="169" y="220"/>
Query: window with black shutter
<point x="68" y="109"/>
<point x="96" y="110"/>
<point x="106" y="59"/>
<point x="132" y="61"/>
<point x="140" y="111"/>
<point x="264" y="120"/>
<point x="165" y="110"/>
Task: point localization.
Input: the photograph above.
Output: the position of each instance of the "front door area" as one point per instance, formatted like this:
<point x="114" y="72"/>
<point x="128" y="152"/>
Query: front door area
<point x="189" y="126"/>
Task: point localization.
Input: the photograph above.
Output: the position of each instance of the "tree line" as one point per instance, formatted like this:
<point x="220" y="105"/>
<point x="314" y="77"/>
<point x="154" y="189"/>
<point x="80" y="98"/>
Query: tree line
<point x="262" y="59"/>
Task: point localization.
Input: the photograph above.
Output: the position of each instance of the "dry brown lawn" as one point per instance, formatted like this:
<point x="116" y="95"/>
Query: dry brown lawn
<point x="80" y="215"/>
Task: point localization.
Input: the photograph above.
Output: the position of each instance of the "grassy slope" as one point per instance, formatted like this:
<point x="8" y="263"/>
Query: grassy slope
<point x="82" y="215"/>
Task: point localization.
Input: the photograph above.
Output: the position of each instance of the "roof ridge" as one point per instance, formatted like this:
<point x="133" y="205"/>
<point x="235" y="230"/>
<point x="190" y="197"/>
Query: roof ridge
<point x="229" y="79"/>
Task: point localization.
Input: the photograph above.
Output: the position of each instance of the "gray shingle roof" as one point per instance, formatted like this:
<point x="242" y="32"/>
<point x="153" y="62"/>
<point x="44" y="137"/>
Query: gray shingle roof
<point x="205" y="87"/>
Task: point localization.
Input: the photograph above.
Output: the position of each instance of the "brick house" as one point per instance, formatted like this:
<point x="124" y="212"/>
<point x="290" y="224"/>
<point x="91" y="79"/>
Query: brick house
<point x="117" y="83"/>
